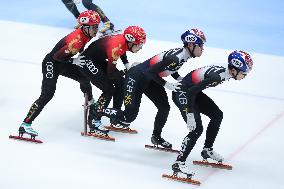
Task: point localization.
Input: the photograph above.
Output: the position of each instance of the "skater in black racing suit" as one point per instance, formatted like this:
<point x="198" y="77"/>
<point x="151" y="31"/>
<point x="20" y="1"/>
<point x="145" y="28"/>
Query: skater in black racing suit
<point x="60" y="62"/>
<point x="147" y="78"/>
<point x="191" y="102"/>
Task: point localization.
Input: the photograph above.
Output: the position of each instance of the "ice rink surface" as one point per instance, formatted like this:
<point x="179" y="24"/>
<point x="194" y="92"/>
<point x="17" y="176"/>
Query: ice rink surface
<point x="250" y="137"/>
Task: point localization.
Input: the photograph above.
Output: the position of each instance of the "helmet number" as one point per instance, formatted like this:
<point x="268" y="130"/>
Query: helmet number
<point x="84" y="20"/>
<point x="190" y="38"/>
<point x="237" y="63"/>
<point x="129" y="38"/>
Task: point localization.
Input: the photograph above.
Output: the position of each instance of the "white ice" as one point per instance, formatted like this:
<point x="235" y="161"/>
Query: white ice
<point x="250" y="137"/>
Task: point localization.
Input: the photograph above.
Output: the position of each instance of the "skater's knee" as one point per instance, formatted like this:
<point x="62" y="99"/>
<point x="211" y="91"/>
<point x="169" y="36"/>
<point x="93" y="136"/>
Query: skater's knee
<point x="217" y="116"/>
<point x="47" y="94"/>
<point x="198" y="131"/>
<point x="165" y="108"/>
<point x="220" y="115"/>
<point x="85" y="87"/>
<point x="84" y="82"/>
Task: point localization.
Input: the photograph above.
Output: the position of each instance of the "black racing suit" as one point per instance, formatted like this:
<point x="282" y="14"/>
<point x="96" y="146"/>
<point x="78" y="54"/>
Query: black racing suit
<point x="147" y="78"/>
<point x="100" y="68"/>
<point x="56" y="63"/>
<point x="191" y="100"/>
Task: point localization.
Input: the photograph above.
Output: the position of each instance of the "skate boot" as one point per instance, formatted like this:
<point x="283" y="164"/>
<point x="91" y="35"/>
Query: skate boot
<point x="93" y="109"/>
<point x="157" y="140"/>
<point x="107" y="26"/>
<point x="120" y="126"/>
<point x="27" y="128"/>
<point x="209" y="153"/>
<point x="97" y="128"/>
<point x="180" y="167"/>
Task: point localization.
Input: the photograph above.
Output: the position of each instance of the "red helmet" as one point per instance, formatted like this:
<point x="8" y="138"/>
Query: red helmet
<point x="89" y="18"/>
<point x="135" y="34"/>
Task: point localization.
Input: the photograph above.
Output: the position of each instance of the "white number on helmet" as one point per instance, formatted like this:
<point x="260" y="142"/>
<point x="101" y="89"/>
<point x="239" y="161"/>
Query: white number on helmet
<point x="129" y="38"/>
<point x="84" y="20"/>
<point x="190" y="38"/>
<point x="237" y="63"/>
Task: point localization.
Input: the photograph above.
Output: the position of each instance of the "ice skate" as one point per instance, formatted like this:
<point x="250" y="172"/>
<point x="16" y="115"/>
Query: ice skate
<point x="209" y="153"/>
<point x="121" y="127"/>
<point x="181" y="173"/>
<point x="180" y="167"/>
<point x="95" y="125"/>
<point x="159" y="141"/>
<point x="97" y="128"/>
<point x="26" y="128"/>
<point x="108" y="30"/>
